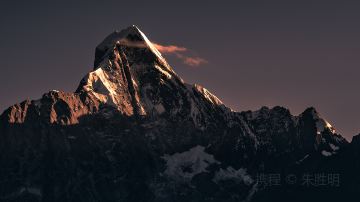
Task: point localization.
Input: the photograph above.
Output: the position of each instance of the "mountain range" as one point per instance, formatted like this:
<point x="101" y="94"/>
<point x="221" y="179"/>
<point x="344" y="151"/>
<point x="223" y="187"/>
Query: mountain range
<point x="133" y="130"/>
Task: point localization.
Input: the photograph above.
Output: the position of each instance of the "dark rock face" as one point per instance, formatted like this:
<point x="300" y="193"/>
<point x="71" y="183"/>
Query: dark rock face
<point x="134" y="131"/>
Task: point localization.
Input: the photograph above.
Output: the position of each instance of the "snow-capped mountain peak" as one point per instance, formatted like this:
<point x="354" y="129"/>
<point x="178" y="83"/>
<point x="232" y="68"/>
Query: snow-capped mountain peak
<point x="132" y="34"/>
<point x="129" y="38"/>
<point x="131" y="75"/>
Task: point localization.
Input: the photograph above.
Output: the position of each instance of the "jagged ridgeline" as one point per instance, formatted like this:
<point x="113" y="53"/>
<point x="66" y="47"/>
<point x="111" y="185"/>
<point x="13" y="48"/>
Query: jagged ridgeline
<point x="135" y="131"/>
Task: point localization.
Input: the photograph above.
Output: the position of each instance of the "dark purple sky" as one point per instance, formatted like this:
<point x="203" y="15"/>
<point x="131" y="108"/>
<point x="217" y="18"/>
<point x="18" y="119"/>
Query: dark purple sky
<point x="291" y="53"/>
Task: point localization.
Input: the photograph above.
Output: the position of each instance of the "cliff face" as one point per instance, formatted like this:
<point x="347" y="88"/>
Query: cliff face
<point x="134" y="131"/>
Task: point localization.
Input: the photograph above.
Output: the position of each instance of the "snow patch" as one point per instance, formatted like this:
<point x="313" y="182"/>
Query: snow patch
<point x="184" y="166"/>
<point x="209" y="96"/>
<point x="31" y="190"/>
<point x="151" y="46"/>
<point x="333" y="147"/>
<point x="326" y="153"/>
<point x="104" y="90"/>
<point x="303" y="159"/>
<point x="230" y="173"/>
<point x="167" y="74"/>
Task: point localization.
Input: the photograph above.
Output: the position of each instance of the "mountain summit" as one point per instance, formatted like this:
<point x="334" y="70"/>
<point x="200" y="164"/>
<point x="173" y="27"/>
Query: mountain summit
<point x="135" y="131"/>
<point x="127" y="68"/>
<point x="131" y="37"/>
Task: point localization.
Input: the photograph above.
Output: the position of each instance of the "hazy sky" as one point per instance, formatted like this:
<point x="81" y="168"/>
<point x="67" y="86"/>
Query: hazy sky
<point x="290" y="53"/>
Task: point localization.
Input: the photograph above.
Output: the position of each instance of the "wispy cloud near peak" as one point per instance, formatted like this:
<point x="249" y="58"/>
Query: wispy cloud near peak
<point x="181" y="53"/>
<point x="195" y="61"/>
<point x="169" y="49"/>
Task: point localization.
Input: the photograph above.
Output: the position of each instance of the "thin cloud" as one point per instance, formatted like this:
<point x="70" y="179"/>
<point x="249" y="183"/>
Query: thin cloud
<point x="195" y="61"/>
<point x="169" y="49"/>
<point x="191" y="61"/>
<point x="180" y="52"/>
